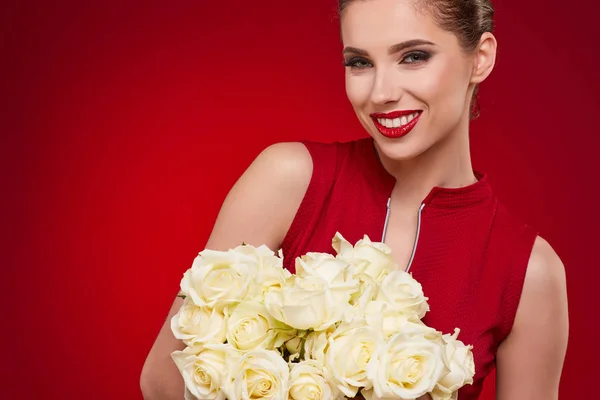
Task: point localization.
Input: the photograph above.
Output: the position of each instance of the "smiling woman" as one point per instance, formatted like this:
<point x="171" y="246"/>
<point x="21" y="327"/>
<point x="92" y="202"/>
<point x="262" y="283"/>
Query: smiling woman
<point x="399" y="49"/>
<point x="412" y="70"/>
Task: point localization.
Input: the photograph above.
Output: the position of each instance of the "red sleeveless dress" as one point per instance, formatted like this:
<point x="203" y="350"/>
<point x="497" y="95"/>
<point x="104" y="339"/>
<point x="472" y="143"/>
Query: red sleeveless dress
<point x="471" y="255"/>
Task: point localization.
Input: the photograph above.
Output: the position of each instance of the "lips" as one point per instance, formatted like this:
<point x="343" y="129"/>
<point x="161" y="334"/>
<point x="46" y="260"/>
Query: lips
<point x="396" y="124"/>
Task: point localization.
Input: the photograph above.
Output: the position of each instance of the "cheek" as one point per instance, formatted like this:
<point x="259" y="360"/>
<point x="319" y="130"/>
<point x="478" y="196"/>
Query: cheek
<point x="444" y="90"/>
<point x="358" y="89"/>
<point x="438" y="85"/>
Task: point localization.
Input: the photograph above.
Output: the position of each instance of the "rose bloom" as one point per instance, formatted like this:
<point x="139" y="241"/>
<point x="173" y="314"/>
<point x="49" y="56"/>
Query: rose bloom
<point x="257" y="374"/>
<point x="402" y="292"/>
<point x="309" y="380"/>
<point x="316" y="344"/>
<point x="390" y="320"/>
<point x="460" y="367"/>
<point x="269" y="271"/>
<point x="373" y="259"/>
<point x="250" y="326"/>
<point x="202" y="370"/>
<point x="194" y="325"/>
<point x="315" y="299"/>
<point x="218" y="278"/>
<point x="337" y="273"/>
<point x="408" y="366"/>
<point x="350" y="349"/>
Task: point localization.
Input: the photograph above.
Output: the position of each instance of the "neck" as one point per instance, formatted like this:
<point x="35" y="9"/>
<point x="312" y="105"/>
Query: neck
<point x="447" y="164"/>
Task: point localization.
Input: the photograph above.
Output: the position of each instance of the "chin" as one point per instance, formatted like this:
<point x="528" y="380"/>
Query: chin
<point x="398" y="150"/>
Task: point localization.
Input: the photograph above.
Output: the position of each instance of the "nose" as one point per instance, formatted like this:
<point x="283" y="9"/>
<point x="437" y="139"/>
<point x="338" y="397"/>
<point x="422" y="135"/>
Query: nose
<point x="385" y="90"/>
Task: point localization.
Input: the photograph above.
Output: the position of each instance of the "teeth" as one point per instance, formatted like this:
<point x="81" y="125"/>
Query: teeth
<point x="397" y="122"/>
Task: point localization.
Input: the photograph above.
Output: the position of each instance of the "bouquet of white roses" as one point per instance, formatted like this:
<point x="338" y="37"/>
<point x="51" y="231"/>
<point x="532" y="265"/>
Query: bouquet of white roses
<point x="341" y="325"/>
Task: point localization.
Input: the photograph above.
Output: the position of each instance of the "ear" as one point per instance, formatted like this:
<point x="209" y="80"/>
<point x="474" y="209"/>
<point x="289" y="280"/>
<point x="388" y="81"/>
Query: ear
<point x="485" y="58"/>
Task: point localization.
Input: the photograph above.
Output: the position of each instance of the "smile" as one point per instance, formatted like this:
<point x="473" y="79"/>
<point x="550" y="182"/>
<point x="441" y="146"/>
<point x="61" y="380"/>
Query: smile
<point x="396" y="124"/>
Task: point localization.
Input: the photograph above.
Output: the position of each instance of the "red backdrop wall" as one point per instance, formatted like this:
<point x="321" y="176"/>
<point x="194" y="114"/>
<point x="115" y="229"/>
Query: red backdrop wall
<point x="125" y="124"/>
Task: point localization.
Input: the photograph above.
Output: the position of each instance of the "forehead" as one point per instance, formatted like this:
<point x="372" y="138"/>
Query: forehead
<point x="369" y="24"/>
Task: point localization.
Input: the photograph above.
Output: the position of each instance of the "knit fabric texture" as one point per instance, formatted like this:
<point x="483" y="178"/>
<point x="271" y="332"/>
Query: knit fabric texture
<point x="471" y="257"/>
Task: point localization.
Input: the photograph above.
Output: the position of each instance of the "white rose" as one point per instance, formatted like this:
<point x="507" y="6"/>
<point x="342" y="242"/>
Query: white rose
<point x="309" y="380"/>
<point x="350" y="349"/>
<point x="202" y="370"/>
<point x="460" y="365"/>
<point x="338" y="274"/>
<point x="315" y="345"/>
<point x="250" y="326"/>
<point x="404" y="293"/>
<point x="370" y="258"/>
<point x="269" y="270"/>
<point x="365" y="294"/>
<point x="390" y="321"/>
<point x="193" y="324"/>
<point x="308" y="303"/>
<point x="268" y="278"/>
<point x="264" y="256"/>
<point x="257" y="374"/>
<point x="217" y="279"/>
<point x="408" y="366"/>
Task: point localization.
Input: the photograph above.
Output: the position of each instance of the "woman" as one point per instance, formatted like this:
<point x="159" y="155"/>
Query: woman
<point x="412" y="70"/>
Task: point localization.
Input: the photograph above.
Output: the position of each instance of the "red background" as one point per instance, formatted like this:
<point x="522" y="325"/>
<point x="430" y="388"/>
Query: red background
<point x="124" y="125"/>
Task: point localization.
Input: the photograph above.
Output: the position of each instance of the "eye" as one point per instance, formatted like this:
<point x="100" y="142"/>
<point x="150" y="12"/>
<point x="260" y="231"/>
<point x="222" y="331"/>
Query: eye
<point x="357" y="63"/>
<point x="416" y="57"/>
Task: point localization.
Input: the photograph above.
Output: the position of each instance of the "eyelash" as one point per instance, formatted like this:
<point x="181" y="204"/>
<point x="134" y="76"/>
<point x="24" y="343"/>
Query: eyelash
<point x="355" y="61"/>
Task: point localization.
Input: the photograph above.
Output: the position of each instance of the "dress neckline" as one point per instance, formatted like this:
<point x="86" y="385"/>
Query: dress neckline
<point x="441" y="197"/>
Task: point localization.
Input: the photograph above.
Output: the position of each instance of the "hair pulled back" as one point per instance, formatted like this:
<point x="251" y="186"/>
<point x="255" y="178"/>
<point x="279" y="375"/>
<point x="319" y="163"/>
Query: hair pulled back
<point x="467" y="19"/>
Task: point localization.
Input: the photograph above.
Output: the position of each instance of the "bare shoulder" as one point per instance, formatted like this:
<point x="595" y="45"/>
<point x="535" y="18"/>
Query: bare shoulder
<point x="285" y="162"/>
<point x="540" y="330"/>
<point x="544" y="293"/>
<point x="282" y="169"/>
<point x="544" y="285"/>
<point x="545" y="267"/>
<point x="260" y="207"/>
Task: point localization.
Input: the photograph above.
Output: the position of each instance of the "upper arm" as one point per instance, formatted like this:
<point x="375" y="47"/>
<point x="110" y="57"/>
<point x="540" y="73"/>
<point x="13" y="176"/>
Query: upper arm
<point x="530" y="360"/>
<point x="258" y="210"/>
<point x="260" y="207"/>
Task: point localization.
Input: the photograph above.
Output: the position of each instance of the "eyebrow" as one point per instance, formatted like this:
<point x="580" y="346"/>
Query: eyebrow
<point x="393" y="49"/>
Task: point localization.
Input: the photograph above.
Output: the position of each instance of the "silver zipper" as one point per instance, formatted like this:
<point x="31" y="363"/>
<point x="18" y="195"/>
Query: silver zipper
<point x="385" y="226"/>
<point x="412" y="256"/>
<point x="387" y="219"/>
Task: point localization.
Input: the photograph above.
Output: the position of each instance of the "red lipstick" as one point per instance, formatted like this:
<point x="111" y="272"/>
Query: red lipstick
<point x="398" y="132"/>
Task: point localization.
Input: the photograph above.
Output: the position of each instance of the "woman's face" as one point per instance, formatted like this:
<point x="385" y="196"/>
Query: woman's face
<point x="408" y="80"/>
